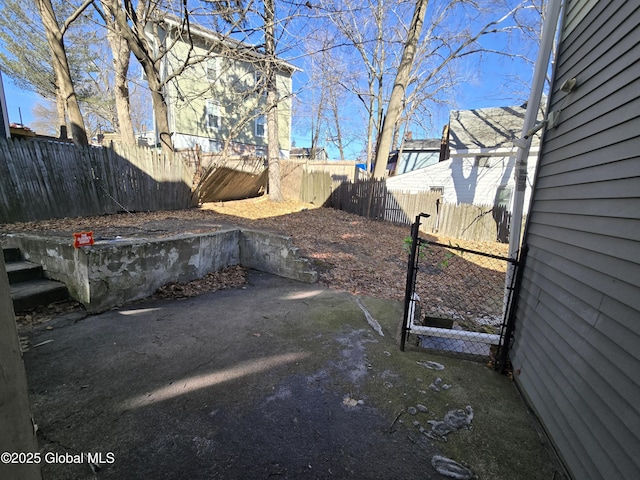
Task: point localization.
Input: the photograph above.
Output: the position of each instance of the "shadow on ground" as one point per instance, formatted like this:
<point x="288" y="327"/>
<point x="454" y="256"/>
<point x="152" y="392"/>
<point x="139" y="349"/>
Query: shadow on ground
<point x="274" y="380"/>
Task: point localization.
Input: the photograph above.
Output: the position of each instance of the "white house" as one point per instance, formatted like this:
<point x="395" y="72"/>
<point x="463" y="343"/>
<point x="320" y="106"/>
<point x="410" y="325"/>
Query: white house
<point x="480" y="157"/>
<point x="414" y="155"/>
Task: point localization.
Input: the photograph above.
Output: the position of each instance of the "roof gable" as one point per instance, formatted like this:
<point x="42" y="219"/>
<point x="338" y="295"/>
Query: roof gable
<point x="486" y="128"/>
<point x="242" y="51"/>
<point x="427" y="144"/>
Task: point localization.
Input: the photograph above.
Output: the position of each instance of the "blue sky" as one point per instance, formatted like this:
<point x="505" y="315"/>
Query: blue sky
<point x="495" y="80"/>
<point x="491" y="90"/>
<point x="18" y="101"/>
<point x="493" y="84"/>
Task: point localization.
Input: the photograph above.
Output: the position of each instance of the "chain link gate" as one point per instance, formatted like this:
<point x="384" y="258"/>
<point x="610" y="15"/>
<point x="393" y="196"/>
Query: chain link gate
<point x="455" y="298"/>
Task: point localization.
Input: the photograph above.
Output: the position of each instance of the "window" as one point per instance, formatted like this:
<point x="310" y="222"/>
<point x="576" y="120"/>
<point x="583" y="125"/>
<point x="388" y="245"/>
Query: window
<point x="213" y="69"/>
<point x="214" y="120"/>
<point x="261" y="126"/>
<point x="260" y="83"/>
<point x="483" y="161"/>
<point x="503" y="196"/>
<point x="439" y="190"/>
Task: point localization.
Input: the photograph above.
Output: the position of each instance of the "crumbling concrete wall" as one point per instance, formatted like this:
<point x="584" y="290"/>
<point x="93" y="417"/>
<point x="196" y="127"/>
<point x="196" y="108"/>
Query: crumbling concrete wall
<point x="120" y="272"/>
<point x="113" y="272"/>
<point x="59" y="259"/>
<point x="272" y="253"/>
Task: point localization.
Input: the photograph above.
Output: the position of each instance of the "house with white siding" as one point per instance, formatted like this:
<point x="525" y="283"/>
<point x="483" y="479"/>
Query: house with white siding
<point x="479" y="151"/>
<point x="414" y="155"/>
<point x="576" y="343"/>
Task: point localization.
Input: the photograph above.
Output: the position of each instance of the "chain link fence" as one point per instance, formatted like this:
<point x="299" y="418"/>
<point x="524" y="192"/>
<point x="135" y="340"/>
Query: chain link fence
<point x="455" y="298"/>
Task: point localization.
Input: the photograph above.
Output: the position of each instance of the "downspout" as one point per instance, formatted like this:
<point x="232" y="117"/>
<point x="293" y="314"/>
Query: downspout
<point x="530" y="127"/>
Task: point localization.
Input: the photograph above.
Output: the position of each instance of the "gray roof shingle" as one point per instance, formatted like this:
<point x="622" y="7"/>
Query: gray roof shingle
<point x="487" y="128"/>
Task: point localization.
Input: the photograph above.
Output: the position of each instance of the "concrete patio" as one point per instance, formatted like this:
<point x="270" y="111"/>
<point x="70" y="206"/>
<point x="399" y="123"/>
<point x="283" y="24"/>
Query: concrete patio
<point x="279" y="378"/>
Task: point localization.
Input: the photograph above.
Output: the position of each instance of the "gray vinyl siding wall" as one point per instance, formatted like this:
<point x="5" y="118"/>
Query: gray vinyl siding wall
<point x="576" y="351"/>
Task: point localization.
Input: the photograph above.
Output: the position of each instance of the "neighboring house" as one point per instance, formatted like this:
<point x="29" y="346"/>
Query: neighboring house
<point x="576" y="350"/>
<point x="222" y="99"/>
<point x="415" y="154"/>
<point x="480" y="155"/>
<point x="308" y="154"/>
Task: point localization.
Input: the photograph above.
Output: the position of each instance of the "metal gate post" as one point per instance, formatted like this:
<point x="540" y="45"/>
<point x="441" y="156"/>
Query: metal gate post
<point x="412" y="271"/>
<point x="507" y="334"/>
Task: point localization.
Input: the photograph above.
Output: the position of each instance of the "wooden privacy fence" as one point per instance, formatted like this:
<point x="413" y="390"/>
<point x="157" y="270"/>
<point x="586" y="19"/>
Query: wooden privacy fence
<point x="221" y="177"/>
<point x="42" y="179"/>
<point x="313" y="181"/>
<point x="316" y="187"/>
<point x="465" y="221"/>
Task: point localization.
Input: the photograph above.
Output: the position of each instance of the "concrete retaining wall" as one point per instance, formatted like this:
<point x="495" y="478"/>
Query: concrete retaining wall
<point x="59" y="259"/>
<point x="114" y="272"/>
<point x="274" y="254"/>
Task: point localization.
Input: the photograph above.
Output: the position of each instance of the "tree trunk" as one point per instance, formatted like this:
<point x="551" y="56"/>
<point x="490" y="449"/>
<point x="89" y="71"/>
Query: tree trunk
<point x="273" y="147"/>
<point x="60" y="65"/>
<point x="370" y="130"/>
<point x="121" y="54"/>
<point x="160" y="109"/>
<point x="61" y="112"/>
<point x="143" y="52"/>
<point x="394" y="109"/>
<point x="335" y="107"/>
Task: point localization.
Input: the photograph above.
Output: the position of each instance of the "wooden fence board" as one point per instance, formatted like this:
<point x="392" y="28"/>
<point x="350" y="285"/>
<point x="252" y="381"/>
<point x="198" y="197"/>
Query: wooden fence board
<point x="47" y="179"/>
<point x="370" y="198"/>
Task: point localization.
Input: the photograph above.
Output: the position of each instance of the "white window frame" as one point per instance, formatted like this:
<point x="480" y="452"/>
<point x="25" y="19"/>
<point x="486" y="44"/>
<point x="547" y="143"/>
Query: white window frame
<point x="259" y="81"/>
<point x="213" y="112"/>
<point x="483" y="161"/>
<point x="213" y="69"/>
<point x="501" y="192"/>
<point x="261" y="121"/>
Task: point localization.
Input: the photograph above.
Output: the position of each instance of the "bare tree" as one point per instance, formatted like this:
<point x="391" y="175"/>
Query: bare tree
<point x="373" y="34"/>
<point x="140" y="24"/>
<point x="130" y="21"/>
<point x="398" y="94"/>
<point x="273" y="147"/>
<point x="328" y="73"/>
<point x="121" y="54"/>
<point x="65" y="89"/>
<point x="403" y="76"/>
<point x="367" y="32"/>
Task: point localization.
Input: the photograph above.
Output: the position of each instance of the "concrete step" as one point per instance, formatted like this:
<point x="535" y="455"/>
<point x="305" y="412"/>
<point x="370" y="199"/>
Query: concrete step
<point x="11" y="255"/>
<point x="23" y="271"/>
<point x="29" y="289"/>
<point x="35" y="293"/>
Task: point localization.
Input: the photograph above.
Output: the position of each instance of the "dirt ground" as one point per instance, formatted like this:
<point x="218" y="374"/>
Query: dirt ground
<point x="351" y="253"/>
